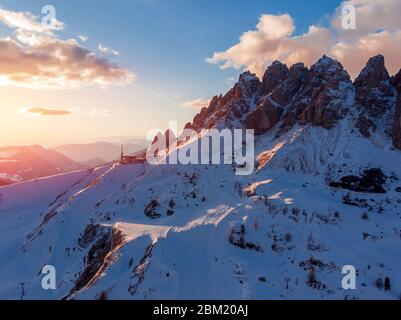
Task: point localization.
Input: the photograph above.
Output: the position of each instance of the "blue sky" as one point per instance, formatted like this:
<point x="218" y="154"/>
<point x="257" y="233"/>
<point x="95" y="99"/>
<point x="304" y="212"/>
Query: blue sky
<point x="166" y="44"/>
<point x="165" y="39"/>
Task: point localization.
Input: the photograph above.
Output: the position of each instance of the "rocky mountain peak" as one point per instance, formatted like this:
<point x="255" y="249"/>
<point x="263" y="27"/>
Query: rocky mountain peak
<point x="325" y="61"/>
<point x="247" y="76"/>
<point x="279" y="85"/>
<point x="227" y="109"/>
<point x="375" y="97"/>
<point x="275" y="73"/>
<point x="328" y="69"/>
<point x="319" y="96"/>
<point x="296" y="76"/>
<point x="248" y="84"/>
<point x="323" y="97"/>
<point x="374" y="73"/>
<point x="297" y="68"/>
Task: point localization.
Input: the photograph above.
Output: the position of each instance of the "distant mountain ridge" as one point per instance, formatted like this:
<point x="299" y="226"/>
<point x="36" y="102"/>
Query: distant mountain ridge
<point x="29" y="162"/>
<point x="99" y="151"/>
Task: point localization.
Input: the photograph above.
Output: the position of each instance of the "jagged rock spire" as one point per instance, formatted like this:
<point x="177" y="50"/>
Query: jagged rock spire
<point x="275" y="73"/>
<point x="375" y="96"/>
<point x="374" y="73"/>
<point x="319" y="96"/>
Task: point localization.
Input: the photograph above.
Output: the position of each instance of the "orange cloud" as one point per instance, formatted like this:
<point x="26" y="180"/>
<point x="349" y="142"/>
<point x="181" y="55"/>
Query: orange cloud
<point x="46" y="111"/>
<point x="258" y="48"/>
<point x="378" y="30"/>
<point x="37" y="58"/>
<point x="196" y="104"/>
<point x="94" y="112"/>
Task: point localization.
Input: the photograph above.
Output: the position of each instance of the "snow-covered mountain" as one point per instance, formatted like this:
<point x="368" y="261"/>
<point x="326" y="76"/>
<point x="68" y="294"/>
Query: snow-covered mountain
<point x="99" y="152"/>
<point x="18" y="163"/>
<point x="325" y="194"/>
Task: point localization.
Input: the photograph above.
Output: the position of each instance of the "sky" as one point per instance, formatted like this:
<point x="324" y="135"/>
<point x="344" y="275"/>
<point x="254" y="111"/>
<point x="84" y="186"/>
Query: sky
<point x="121" y="68"/>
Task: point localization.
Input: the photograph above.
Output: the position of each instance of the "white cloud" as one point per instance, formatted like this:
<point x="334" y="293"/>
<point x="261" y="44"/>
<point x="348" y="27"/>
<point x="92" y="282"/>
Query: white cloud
<point x="37" y="58"/>
<point x="354" y="55"/>
<point x="257" y="49"/>
<point x="371" y="16"/>
<point x="378" y="30"/>
<point x="106" y="50"/>
<point x="27" y="21"/>
<point x="275" y="27"/>
<point x="83" y="38"/>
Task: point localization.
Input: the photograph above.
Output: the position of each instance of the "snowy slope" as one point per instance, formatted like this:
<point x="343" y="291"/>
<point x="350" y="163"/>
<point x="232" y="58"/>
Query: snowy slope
<point x="30" y="162"/>
<point x="289" y="223"/>
<point x="316" y="202"/>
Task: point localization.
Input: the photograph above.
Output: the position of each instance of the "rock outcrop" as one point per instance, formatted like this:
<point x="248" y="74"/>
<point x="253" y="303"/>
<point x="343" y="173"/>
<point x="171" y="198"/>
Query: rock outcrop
<point x="396" y="130"/>
<point x="280" y="84"/>
<point x="324" y="98"/>
<point x="320" y="96"/>
<point x="274" y="75"/>
<point x="375" y="96"/>
<point x="266" y="116"/>
<point x="229" y="110"/>
<point x="373" y="87"/>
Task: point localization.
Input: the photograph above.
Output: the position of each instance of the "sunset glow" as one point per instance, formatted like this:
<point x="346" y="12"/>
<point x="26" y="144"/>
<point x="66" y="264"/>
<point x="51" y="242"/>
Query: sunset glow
<point x="78" y="81"/>
<point x="206" y="157"/>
